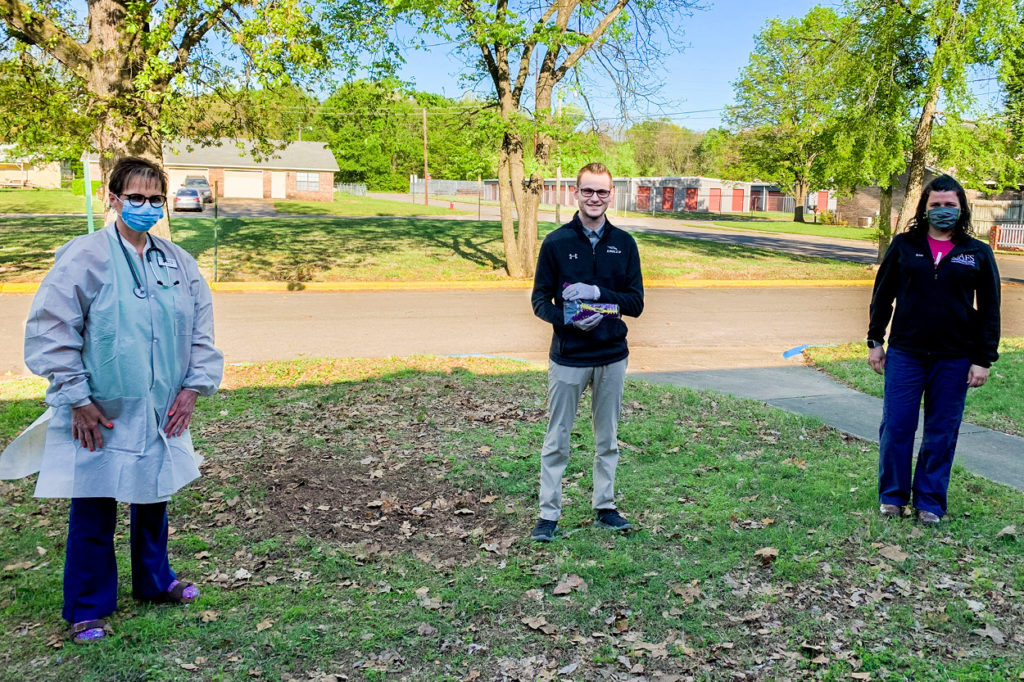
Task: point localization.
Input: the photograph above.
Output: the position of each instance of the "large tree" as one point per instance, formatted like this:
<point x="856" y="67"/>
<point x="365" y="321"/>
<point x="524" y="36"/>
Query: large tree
<point x="952" y="39"/>
<point x="136" y="62"/>
<point x="784" y="101"/>
<point x="525" y="50"/>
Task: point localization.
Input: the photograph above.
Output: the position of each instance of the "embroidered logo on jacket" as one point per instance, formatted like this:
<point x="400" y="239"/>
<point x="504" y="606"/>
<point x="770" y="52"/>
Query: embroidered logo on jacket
<point x="613" y="249"/>
<point x="964" y="259"/>
<point x="574" y="256"/>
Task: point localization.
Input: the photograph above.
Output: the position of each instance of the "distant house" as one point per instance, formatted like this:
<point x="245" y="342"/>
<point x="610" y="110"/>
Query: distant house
<point x="302" y="171"/>
<point x="17" y="171"/>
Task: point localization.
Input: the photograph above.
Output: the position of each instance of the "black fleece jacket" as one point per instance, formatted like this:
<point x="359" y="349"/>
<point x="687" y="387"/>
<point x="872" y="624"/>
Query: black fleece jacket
<point x="566" y="257"/>
<point x="935" y="313"/>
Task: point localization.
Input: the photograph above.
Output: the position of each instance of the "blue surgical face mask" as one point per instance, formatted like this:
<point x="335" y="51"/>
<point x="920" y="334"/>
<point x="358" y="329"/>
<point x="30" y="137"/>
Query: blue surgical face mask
<point x="943" y="218"/>
<point x="141" y="218"/>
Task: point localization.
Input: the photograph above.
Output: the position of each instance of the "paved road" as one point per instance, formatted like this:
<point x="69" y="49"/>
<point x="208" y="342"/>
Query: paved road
<point x="681" y="329"/>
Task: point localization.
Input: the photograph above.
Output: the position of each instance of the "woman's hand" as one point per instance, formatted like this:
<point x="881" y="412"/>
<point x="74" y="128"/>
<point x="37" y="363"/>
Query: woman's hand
<point x="977" y="376"/>
<point x="181" y="412"/>
<point x="85" y="426"/>
<point x="876" y="358"/>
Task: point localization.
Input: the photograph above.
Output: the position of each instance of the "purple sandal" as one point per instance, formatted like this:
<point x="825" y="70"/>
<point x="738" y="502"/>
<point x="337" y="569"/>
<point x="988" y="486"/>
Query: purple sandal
<point x="181" y="593"/>
<point x="89" y="631"/>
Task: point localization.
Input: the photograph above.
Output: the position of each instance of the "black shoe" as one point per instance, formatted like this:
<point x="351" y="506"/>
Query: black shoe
<point x="612" y="520"/>
<point x="544" y="531"/>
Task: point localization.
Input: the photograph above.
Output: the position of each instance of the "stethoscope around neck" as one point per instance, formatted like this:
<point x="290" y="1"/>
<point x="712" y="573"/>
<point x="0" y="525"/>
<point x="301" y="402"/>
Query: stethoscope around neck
<point x="161" y="261"/>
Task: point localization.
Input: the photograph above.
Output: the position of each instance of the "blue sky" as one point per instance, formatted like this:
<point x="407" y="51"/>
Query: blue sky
<point x="719" y="40"/>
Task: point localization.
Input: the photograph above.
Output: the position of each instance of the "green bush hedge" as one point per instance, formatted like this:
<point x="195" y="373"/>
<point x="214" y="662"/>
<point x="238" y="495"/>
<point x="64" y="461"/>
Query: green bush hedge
<point x="78" y="187"/>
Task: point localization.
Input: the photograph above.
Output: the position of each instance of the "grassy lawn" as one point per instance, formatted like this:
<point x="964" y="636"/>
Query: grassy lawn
<point x="395" y="249"/>
<point x="367" y="519"/>
<point x="350" y="205"/>
<point x="42" y="201"/>
<point x="790" y="227"/>
<point x="997" y="404"/>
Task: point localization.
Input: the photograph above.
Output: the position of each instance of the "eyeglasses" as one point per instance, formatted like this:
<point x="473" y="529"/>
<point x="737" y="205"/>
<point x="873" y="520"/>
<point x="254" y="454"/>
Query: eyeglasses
<point x="587" y="192"/>
<point x="138" y="200"/>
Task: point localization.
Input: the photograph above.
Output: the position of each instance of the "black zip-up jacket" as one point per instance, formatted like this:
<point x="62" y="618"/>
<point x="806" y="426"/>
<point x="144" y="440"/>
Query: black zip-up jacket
<point x="935" y="313"/>
<point x="613" y="265"/>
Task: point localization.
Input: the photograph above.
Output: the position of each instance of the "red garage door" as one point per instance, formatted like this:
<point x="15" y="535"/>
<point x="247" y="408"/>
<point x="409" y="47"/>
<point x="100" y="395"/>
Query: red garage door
<point x="715" y="199"/>
<point x="737" y="200"/>
<point x="643" y="199"/>
<point x="668" y="198"/>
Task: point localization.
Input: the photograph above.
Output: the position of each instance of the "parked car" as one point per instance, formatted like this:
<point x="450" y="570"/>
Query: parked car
<point x="186" y="199"/>
<point x="201" y="185"/>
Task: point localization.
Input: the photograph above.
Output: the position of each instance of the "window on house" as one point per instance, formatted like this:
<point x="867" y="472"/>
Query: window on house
<point x="309" y="182"/>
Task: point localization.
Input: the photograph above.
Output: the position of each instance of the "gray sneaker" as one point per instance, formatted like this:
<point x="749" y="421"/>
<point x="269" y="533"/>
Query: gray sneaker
<point x="612" y="520"/>
<point x="544" y="531"/>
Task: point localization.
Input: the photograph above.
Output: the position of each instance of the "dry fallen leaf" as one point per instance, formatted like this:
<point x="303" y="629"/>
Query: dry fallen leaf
<point x="21" y="565"/>
<point x="426" y="630"/>
<point x="767" y="555"/>
<point x="536" y="595"/>
<point x="992" y="632"/>
<point x="189" y="666"/>
<point x="540" y="623"/>
<point x="426" y="601"/>
<point x="41" y="551"/>
<point x="209" y="616"/>
<point x="861" y="676"/>
<point x="688" y="592"/>
<point x="571" y="582"/>
<point x="893" y="553"/>
<point x="1009" y="531"/>
<point x="264" y="625"/>
<point x="242" y="574"/>
<point x="201" y="555"/>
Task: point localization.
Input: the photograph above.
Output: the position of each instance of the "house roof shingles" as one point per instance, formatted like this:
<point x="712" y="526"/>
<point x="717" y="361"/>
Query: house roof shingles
<point x="301" y="156"/>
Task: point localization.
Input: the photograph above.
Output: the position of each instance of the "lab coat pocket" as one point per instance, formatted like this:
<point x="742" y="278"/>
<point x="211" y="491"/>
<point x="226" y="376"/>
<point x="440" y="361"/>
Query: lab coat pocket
<point x="184" y="313"/>
<point x="129" y="431"/>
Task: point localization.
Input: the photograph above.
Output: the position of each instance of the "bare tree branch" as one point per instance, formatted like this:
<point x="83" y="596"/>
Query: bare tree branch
<point x="42" y="32"/>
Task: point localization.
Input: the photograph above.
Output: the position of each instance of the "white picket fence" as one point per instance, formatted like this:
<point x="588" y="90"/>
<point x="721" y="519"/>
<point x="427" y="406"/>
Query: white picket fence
<point x="1010" y="237"/>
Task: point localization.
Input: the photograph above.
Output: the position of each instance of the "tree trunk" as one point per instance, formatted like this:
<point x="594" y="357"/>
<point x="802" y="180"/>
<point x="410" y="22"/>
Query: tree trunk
<point x="919" y="157"/>
<point x="884" y="221"/>
<point x="513" y="263"/>
<point x="800" y="198"/>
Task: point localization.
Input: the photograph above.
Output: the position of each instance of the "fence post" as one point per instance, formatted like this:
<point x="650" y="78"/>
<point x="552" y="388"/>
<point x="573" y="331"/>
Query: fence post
<point x="993" y="237"/>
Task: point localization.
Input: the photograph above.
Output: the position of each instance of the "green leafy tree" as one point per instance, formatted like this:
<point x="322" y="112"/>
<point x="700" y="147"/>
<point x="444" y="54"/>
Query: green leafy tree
<point x="663" y="148"/>
<point x="784" y="102"/>
<point x="526" y="49"/>
<point x="951" y="40"/>
<point x="136" y="63"/>
<point x="40" y="113"/>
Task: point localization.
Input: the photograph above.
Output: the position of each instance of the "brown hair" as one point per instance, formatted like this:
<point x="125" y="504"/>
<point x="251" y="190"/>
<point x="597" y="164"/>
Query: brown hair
<point x="129" y="167"/>
<point x="597" y="168"/>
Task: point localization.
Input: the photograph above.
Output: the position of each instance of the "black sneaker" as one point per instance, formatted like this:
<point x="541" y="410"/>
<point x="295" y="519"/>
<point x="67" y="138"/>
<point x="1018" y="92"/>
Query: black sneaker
<point x="612" y="520"/>
<point x="544" y="531"/>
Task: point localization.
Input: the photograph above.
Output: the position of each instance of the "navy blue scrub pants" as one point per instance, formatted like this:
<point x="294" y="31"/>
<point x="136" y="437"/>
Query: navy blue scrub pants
<point x="90" y="568"/>
<point x="943" y="383"/>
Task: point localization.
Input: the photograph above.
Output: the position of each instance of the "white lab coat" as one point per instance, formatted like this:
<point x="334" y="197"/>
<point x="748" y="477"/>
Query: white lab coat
<point x="93" y="338"/>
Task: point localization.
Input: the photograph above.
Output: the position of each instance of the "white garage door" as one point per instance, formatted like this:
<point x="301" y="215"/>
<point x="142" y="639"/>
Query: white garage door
<point x="243" y="184"/>
<point x="176" y="178"/>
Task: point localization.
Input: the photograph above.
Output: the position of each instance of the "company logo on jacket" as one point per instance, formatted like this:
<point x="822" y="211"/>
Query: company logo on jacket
<point x="613" y="249"/>
<point x="574" y="256"/>
<point x="964" y="259"/>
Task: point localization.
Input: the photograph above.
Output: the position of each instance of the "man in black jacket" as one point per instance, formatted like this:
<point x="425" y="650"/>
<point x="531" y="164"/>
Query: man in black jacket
<point x="587" y="259"/>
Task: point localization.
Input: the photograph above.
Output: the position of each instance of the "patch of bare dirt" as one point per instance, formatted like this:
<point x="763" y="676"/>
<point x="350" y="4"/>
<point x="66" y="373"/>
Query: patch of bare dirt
<point x="370" y="468"/>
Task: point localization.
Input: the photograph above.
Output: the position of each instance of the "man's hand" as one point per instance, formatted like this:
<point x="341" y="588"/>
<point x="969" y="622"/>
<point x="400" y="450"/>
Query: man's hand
<point x="181" y="412"/>
<point x="588" y="323"/>
<point x="876" y="358"/>
<point x="977" y="376"/>
<point x="85" y="426"/>
<point x="579" y="290"/>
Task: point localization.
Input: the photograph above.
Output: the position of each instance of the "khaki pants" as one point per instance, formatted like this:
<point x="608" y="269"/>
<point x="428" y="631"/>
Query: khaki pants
<point x="565" y="386"/>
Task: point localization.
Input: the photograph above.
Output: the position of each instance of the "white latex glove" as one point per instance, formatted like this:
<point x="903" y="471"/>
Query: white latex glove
<point x="579" y="290"/>
<point x="588" y="323"/>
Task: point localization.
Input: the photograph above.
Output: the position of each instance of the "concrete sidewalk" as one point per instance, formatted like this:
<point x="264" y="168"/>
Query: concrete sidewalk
<point x="992" y="454"/>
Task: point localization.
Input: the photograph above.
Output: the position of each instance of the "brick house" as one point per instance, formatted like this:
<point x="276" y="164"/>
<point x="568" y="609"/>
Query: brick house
<point x="303" y="171"/>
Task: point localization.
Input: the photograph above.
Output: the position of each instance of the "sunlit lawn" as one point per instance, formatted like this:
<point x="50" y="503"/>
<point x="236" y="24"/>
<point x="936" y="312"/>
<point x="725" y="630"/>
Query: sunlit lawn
<point x="42" y="201"/>
<point x="396" y="249"/>
<point x="351" y="205"/>
<point x="367" y="519"/>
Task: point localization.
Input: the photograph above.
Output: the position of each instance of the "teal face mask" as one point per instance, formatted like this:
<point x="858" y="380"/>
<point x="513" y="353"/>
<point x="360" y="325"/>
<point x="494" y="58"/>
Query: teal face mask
<point x="943" y="218"/>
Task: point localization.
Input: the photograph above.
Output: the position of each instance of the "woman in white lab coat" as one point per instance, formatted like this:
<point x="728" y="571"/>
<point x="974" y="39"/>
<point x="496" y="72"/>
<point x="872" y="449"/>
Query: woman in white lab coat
<point x="122" y="327"/>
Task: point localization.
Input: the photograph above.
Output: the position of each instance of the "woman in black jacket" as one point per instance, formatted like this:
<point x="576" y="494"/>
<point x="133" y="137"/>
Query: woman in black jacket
<point x="940" y="344"/>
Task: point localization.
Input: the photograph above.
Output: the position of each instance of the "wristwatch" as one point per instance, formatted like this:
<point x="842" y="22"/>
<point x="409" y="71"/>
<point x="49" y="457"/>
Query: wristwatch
<point x="872" y="343"/>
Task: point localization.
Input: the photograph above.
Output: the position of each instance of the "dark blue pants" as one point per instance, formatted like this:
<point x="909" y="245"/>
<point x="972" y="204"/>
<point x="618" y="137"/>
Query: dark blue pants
<point x="943" y="383"/>
<point x="90" y="568"/>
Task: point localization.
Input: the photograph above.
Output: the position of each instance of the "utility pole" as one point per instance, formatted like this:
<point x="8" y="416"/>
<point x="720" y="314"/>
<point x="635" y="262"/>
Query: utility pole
<point x="426" y="175"/>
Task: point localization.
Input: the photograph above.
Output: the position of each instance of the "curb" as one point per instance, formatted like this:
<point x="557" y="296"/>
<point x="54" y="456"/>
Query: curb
<point x="415" y="285"/>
